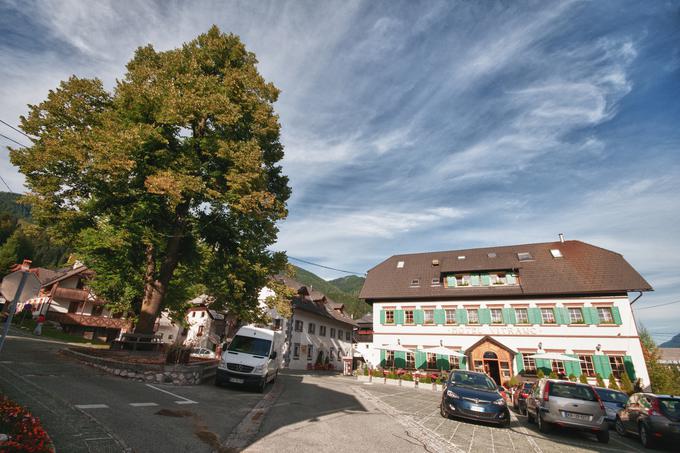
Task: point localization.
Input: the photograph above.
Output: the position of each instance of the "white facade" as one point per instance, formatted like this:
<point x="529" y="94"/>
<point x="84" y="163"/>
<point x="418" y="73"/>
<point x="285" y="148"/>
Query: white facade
<point x="334" y="347"/>
<point x="577" y="339"/>
<point x="203" y="329"/>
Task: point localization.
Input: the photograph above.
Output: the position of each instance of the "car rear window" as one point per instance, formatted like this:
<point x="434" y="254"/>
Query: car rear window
<point x="612" y="396"/>
<point x="574" y="391"/>
<point x="670" y="407"/>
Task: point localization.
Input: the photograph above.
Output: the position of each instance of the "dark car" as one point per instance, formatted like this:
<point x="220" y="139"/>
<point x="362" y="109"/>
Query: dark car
<point x="652" y="417"/>
<point x="474" y="396"/>
<point x="519" y="398"/>
<point x="614" y="401"/>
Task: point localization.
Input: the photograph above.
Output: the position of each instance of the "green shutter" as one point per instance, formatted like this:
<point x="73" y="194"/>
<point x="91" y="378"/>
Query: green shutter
<point x="519" y="363"/>
<point x="463" y="363"/>
<point x="545" y="365"/>
<point x="630" y="369"/>
<point x="474" y="279"/>
<point x="418" y="316"/>
<point x="602" y="366"/>
<point x="382" y="358"/>
<point x="534" y="315"/>
<point x="484" y="316"/>
<point x="451" y="281"/>
<point x="510" y="278"/>
<point x="399" y="317"/>
<point x="382" y="316"/>
<point x="572" y="367"/>
<point x="421" y="360"/>
<point x="442" y="362"/>
<point x="461" y="316"/>
<point x="616" y="314"/>
<point x="440" y="316"/>
<point x="399" y="359"/>
<point x="509" y="316"/>
<point x="590" y="315"/>
<point x="561" y="316"/>
<point x="486" y="280"/>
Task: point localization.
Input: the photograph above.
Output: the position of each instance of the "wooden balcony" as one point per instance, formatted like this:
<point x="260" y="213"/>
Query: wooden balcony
<point x="89" y="321"/>
<point x="71" y="294"/>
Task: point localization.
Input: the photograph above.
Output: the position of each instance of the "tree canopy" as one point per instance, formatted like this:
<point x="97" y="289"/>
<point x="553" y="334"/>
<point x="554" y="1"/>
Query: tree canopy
<point x="168" y="186"/>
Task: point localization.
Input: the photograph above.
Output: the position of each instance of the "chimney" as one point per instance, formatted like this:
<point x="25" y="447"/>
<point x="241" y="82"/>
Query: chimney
<point x="561" y="237"/>
<point x="26" y="265"/>
<point x="435" y="262"/>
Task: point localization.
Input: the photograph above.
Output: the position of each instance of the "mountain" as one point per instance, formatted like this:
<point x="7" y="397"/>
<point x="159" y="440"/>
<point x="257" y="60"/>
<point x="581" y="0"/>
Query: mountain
<point x="672" y="343"/>
<point x="9" y="205"/>
<point x="348" y="296"/>
<point x="350" y="284"/>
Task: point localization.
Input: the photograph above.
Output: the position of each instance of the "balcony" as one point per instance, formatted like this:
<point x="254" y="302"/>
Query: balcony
<point x="79" y="295"/>
<point x="89" y="321"/>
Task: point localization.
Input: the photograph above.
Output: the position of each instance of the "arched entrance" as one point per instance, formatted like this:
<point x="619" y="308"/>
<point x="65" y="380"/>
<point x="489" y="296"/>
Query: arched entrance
<point x="493" y="358"/>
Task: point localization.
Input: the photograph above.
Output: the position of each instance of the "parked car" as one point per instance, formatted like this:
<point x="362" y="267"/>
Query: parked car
<point x="202" y="353"/>
<point x="567" y="404"/>
<point x="614" y="401"/>
<point x="651" y="417"/>
<point x="519" y="397"/>
<point x="474" y="395"/>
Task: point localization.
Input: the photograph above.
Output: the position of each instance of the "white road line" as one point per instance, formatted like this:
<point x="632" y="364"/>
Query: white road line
<point x="511" y="441"/>
<point x="92" y="406"/>
<point x="493" y="446"/>
<point x="454" y="431"/>
<point x="472" y="439"/>
<point x="625" y="444"/>
<point x="182" y="400"/>
<point x="143" y="404"/>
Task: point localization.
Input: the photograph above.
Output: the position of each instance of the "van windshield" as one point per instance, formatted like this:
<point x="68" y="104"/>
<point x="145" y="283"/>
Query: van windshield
<point x="250" y="345"/>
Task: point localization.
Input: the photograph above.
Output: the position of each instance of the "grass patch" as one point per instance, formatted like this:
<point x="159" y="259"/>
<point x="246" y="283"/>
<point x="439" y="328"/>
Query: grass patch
<point x="54" y="333"/>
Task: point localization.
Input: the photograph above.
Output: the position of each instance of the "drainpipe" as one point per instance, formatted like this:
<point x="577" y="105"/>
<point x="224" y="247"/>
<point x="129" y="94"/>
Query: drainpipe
<point x="639" y="296"/>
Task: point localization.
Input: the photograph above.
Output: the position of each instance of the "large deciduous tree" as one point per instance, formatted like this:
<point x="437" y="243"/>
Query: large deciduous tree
<point x="169" y="184"/>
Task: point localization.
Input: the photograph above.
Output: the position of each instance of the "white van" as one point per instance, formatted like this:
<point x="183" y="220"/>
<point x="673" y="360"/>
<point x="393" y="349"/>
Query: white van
<point x="252" y="358"/>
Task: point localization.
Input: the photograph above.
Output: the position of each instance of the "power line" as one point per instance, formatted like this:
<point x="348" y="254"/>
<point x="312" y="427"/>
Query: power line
<point x="7" y="185"/>
<point x="660" y="305"/>
<point x="12" y="140"/>
<point x="325" y="267"/>
<point x="15" y="129"/>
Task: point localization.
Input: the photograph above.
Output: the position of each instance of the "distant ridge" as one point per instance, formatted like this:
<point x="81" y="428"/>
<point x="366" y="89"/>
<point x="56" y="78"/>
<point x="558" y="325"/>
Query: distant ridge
<point x="343" y="290"/>
<point x="672" y="343"/>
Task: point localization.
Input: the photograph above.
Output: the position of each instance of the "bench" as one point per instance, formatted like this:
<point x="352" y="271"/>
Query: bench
<point x="132" y="341"/>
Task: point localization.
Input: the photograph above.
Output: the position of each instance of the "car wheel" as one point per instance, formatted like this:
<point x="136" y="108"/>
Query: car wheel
<point x="620" y="429"/>
<point x="603" y="436"/>
<point x="442" y="411"/>
<point x="646" y="441"/>
<point x="543" y="426"/>
<point x="505" y="423"/>
<point x="263" y="384"/>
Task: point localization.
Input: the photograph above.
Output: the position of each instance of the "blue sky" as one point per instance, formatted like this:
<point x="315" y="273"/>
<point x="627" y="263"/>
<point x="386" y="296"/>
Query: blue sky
<point x="417" y="126"/>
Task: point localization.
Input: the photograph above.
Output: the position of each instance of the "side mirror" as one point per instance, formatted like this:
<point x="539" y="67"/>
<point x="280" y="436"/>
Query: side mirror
<point x="273" y="355"/>
<point x="225" y="346"/>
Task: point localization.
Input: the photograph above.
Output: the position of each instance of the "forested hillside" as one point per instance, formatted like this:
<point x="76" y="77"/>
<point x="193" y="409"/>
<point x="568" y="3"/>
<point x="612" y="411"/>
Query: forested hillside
<point x="353" y="305"/>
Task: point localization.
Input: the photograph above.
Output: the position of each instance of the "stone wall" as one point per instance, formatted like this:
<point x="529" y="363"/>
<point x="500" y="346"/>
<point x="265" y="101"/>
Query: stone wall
<point x="189" y="374"/>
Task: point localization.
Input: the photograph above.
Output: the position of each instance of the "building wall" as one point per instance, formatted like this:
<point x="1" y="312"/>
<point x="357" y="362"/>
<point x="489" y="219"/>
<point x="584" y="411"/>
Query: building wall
<point x="318" y="342"/>
<point x="199" y="318"/>
<point x="614" y="339"/>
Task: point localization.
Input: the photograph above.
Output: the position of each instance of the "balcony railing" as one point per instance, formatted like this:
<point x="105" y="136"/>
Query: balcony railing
<point x="79" y="295"/>
<point x="89" y="321"/>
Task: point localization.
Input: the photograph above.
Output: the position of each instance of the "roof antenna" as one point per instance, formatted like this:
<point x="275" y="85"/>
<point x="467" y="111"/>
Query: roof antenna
<point x="561" y="237"/>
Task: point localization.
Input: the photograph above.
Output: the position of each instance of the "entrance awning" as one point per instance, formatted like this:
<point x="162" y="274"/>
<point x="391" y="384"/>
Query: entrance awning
<point x="395" y="348"/>
<point x="554" y="356"/>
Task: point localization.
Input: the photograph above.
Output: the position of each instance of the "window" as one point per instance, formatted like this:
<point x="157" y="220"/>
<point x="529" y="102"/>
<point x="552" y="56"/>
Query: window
<point x="97" y="310"/>
<point x="604" y="315"/>
<point x="193" y="314"/>
<point x="450" y="316"/>
<point x="408" y="316"/>
<point x="410" y="360"/>
<point x="322" y="331"/>
<point x="473" y="316"/>
<point x="389" y="317"/>
<point x="310" y="352"/>
<point x="339" y="334"/>
<point x="348" y="336"/>
<point x="296" y="351"/>
<point x="522" y="315"/>
<point x="332" y="332"/>
<point x="428" y="316"/>
<point x="431" y="361"/>
<point x="202" y="314"/>
<point x="558" y="367"/>
<point x="575" y="315"/>
<point x="618" y="367"/>
<point x="415" y="282"/>
<point x="479" y="366"/>
<point x="529" y="365"/>
<point x="587" y="367"/>
<point x="556" y="253"/>
<point x="400" y="264"/>
<point x="435" y="282"/>
<point x="311" y="328"/>
<point x="277" y="324"/>
<point x="200" y="331"/>
<point x="454" y="363"/>
<point x="298" y="326"/>
<point x="548" y="315"/>
<point x="389" y="358"/>
<point x="496" y="316"/>
<point x="524" y="256"/>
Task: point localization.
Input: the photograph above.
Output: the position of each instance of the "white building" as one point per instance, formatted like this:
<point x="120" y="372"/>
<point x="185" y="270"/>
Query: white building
<point x="499" y="305"/>
<point x="206" y="327"/>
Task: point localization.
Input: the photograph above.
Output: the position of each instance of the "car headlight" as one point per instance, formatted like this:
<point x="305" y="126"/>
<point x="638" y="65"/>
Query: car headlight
<point x="259" y="368"/>
<point x="500" y="402"/>
<point x="452" y="394"/>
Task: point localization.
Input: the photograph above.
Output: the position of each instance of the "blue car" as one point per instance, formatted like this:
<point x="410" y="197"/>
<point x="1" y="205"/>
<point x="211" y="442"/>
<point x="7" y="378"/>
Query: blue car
<point x="614" y="401"/>
<point x="475" y="396"/>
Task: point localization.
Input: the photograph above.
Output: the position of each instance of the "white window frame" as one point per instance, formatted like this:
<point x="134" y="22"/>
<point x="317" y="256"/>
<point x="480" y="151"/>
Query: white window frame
<point x="578" y="319"/>
<point x="548" y="312"/>
<point x="525" y="317"/>
<point x="496" y="316"/>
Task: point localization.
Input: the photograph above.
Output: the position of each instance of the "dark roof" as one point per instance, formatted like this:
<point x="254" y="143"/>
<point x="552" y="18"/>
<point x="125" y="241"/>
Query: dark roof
<point x="366" y="320"/>
<point x="582" y="269"/>
<point x="667" y="355"/>
<point x="64" y="274"/>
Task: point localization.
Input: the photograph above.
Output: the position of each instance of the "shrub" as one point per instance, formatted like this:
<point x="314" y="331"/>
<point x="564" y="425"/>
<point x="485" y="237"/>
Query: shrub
<point x="407" y="377"/>
<point x="178" y="353"/>
<point x="553" y="375"/>
<point x="612" y="382"/>
<point x="376" y="373"/>
<point x="425" y="379"/>
<point x="512" y="382"/>
<point x="626" y="384"/>
<point x="583" y="379"/>
<point x="572" y="377"/>
<point x="365" y="371"/>
<point x="540" y="374"/>
<point x="392" y="375"/>
<point x="25" y="433"/>
<point x="600" y="381"/>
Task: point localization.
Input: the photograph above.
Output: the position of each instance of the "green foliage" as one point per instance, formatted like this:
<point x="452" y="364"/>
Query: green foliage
<point x="353" y="305"/>
<point x="583" y="379"/>
<point x="600" y="381"/>
<point x="572" y="377"/>
<point x="9" y="204"/>
<point x="392" y="375"/>
<point x="626" y="384"/>
<point x="425" y="380"/>
<point x="351" y="284"/>
<point x="553" y="375"/>
<point x="407" y="377"/>
<point x="540" y="374"/>
<point x="177" y="170"/>
<point x="513" y="381"/>
<point x="664" y="378"/>
<point x="612" y="382"/>
<point x="365" y="371"/>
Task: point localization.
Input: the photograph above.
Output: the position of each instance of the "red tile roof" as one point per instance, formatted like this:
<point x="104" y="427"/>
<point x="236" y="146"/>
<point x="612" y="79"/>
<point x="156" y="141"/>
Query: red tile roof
<point x="582" y="269"/>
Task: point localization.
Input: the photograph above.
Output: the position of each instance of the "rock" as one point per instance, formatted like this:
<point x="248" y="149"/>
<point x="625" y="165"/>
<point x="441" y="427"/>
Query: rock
<point x="160" y="377"/>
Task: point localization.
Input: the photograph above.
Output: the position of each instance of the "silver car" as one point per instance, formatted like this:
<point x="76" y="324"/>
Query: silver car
<point x="567" y="404"/>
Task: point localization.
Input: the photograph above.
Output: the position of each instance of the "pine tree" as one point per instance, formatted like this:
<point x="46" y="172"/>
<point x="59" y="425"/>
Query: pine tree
<point x="612" y="382"/>
<point x="626" y="384"/>
<point x="600" y="381"/>
<point x="583" y="379"/>
<point x="540" y="374"/>
<point x="572" y="377"/>
<point x="553" y="375"/>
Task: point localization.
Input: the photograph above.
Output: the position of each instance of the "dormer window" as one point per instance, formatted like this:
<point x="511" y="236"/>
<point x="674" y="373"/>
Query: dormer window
<point x="556" y="253"/>
<point x="415" y="282"/>
<point x="435" y="282"/>
<point x="524" y="256"/>
<point x="400" y="264"/>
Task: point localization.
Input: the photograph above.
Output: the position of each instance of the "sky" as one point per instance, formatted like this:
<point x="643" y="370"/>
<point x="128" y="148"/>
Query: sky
<point x="421" y="126"/>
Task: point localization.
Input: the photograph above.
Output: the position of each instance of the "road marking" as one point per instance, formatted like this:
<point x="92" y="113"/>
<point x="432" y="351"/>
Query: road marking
<point x="143" y="404"/>
<point x="182" y="400"/>
<point x="92" y="406"/>
<point x="472" y="439"/>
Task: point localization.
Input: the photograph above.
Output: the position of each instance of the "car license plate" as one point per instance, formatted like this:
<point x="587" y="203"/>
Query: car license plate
<point x="576" y="416"/>
<point x="236" y="380"/>
<point x="477" y="408"/>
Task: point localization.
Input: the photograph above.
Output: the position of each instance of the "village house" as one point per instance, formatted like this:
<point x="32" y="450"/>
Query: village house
<point x="206" y="327"/>
<point x="500" y="305"/>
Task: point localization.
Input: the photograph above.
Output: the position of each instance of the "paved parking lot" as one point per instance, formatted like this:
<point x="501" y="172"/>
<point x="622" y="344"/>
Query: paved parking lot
<point x="420" y="410"/>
